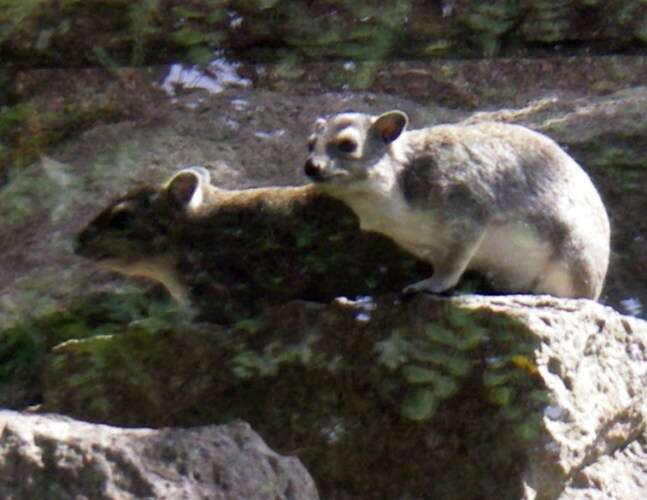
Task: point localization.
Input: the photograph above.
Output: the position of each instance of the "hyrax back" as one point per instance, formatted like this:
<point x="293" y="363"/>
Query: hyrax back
<point x="231" y="253"/>
<point x="492" y="197"/>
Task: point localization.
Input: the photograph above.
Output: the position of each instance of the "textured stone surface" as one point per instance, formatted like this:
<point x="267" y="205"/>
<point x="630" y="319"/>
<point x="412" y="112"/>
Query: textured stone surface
<point x="51" y="457"/>
<point x="387" y="398"/>
<point x="620" y="476"/>
<point x="593" y="363"/>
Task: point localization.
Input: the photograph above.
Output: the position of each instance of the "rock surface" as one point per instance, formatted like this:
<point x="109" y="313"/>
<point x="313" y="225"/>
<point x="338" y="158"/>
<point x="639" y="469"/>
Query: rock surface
<point x="51" y="457"/>
<point x="385" y="399"/>
<point x="71" y="33"/>
<point x="620" y="475"/>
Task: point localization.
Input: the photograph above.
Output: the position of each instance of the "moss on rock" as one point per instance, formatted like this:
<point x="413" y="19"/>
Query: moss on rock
<point x="73" y="33"/>
<point x="357" y="387"/>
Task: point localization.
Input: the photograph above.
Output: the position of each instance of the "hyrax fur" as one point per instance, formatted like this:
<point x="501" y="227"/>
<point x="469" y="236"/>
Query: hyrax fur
<point x="231" y="253"/>
<point x="492" y="197"/>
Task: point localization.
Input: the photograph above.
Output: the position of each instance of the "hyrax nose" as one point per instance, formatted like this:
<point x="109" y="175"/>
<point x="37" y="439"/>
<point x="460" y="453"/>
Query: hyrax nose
<point x="312" y="169"/>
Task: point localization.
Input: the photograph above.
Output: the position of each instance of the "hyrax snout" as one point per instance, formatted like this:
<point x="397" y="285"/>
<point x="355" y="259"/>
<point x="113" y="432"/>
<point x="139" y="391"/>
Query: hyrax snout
<point x="497" y="198"/>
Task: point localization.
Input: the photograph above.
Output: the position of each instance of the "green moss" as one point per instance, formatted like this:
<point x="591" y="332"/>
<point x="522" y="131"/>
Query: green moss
<point x="418" y="375"/>
<point x="439" y="47"/>
<point x="628" y="177"/>
<point x="353" y="398"/>
<point x="501" y="396"/>
<point x="449" y="354"/>
<point x="393" y="351"/>
<point x="289" y="67"/>
<point x="11" y="121"/>
<point x="24" y="346"/>
<point x="420" y="405"/>
<point x="528" y="430"/>
<point x="364" y="75"/>
<point x="494" y="379"/>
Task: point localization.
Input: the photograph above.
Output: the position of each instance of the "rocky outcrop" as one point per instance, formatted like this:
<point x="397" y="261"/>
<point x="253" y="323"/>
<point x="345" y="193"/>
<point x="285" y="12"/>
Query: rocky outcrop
<point x="386" y="399"/>
<point x="71" y="33"/>
<point x="618" y="475"/>
<point x="50" y="456"/>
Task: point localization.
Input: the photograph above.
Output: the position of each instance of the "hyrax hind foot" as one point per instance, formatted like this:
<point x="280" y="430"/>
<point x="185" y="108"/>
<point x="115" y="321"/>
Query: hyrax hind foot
<point x="431" y="286"/>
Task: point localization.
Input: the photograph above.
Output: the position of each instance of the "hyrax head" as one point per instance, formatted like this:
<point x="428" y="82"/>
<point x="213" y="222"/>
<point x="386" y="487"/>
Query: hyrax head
<point x="343" y="147"/>
<point x="133" y="234"/>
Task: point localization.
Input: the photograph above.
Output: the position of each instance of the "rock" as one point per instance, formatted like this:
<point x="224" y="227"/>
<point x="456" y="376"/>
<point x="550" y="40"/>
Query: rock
<point x="592" y="362"/>
<point x="589" y="127"/>
<point x="619" y="475"/>
<point x="50" y="456"/>
<point x="385" y="399"/>
<point x="49" y="33"/>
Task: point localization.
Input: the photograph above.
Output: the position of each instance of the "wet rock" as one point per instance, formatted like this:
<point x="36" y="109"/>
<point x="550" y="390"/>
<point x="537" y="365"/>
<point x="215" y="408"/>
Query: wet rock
<point x="385" y="399"/>
<point x="51" y="456"/>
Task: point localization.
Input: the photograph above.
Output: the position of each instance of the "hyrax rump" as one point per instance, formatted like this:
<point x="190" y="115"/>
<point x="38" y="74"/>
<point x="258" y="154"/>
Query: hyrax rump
<point x="231" y="253"/>
<point x="497" y="198"/>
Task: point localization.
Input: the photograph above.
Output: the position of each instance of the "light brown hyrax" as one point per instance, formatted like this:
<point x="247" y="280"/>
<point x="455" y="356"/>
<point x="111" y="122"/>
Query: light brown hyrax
<point x="497" y="198"/>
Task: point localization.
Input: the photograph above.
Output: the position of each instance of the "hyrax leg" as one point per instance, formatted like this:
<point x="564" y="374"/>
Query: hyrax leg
<point x="448" y="270"/>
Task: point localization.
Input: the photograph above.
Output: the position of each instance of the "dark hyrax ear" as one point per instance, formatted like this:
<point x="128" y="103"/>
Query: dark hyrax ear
<point x="388" y="126"/>
<point x="184" y="189"/>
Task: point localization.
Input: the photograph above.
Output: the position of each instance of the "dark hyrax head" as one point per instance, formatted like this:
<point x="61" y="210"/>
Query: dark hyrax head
<point x="343" y="148"/>
<point x="135" y="232"/>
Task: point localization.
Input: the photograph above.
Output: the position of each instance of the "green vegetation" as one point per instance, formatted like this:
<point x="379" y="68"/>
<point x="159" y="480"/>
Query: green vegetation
<point x="39" y="29"/>
<point x="11" y="119"/>
<point x="440" y="363"/>
<point x="25" y="345"/>
<point x="74" y="32"/>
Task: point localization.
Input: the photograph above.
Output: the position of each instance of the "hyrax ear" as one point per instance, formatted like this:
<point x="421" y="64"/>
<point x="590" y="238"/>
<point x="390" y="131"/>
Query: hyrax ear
<point x="185" y="189"/>
<point x="202" y="172"/>
<point x="388" y="126"/>
<point x="320" y="126"/>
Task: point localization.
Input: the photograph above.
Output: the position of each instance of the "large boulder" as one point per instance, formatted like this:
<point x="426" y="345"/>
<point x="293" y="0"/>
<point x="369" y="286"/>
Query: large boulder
<point x="50" y="456"/>
<point x="383" y="399"/>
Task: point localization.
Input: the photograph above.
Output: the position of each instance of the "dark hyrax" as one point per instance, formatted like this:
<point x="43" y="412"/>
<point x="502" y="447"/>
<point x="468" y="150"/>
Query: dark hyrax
<point x="493" y="197"/>
<point x="232" y="253"/>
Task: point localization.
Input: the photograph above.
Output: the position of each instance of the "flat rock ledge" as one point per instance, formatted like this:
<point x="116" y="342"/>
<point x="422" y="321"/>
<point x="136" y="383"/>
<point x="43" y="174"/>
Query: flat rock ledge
<point x="55" y="457"/>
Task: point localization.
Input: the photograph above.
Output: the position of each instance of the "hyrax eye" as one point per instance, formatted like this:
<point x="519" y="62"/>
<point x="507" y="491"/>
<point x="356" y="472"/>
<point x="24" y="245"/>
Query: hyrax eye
<point x="311" y="145"/>
<point x="346" y="145"/>
<point x="121" y="221"/>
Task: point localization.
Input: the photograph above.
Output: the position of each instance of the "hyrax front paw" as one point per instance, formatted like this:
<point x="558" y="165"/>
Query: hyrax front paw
<point x="431" y="285"/>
